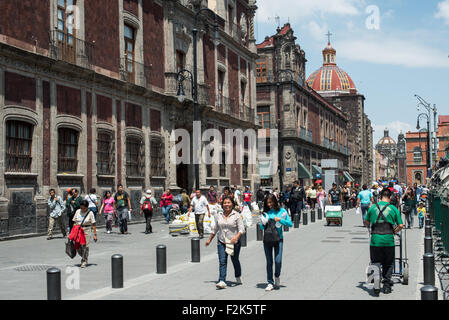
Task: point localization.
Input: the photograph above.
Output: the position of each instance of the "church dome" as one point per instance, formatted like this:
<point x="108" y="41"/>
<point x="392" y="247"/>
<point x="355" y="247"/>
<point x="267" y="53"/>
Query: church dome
<point x="386" y="140"/>
<point x="330" y="77"/>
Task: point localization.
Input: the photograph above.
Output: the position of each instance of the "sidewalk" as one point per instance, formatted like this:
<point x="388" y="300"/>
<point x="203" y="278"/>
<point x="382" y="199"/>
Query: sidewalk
<point x="319" y="262"/>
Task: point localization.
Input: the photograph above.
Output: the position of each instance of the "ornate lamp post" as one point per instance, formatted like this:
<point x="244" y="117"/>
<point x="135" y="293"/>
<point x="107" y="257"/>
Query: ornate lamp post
<point x="429" y="145"/>
<point x="430" y="109"/>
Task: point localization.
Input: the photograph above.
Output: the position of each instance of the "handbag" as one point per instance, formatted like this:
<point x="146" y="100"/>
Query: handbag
<point x="70" y="245"/>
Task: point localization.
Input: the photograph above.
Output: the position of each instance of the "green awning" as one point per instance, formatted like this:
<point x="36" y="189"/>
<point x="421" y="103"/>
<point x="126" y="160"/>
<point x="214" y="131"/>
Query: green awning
<point x="265" y="169"/>
<point x="348" y="177"/>
<point x="316" y="171"/>
<point x="303" y="173"/>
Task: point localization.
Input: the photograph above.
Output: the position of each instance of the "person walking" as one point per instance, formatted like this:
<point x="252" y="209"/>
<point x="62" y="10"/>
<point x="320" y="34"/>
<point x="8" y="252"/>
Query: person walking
<point x="228" y="228"/>
<point x="237" y="196"/>
<point x="85" y="219"/>
<point x="421" y="214"/>
<point x="286" y="199"/>
<point x="57" y="207"/>
<point x="122" y="207"/>
<point x="297" y="198"/>
<point x="312" y="195"/>
<point x="409" y="202"/>
<point x="107" y="207"/>
<point x="226" y="192"/>
<point x="166" y="204"/>
<point x="147" y="203"/>
<point x="247" y="198"/>
<point x="212" y="196"/>
<point x="260" y="196"/>
<point x="364" y="200"/>
<point x="200" y="205"/>
<point x="334" y="196"/>
<point x="93" y="201"/>
<point x="273" y="218"/>
<point x="385" y="222"/>
<point x="375" y="192"/>
<point x="321" y="195"/>
<point x="73" y="202"/>
<point x="185" y="203"/>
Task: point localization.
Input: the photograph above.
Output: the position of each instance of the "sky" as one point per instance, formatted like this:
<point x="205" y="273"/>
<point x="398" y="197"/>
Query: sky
<point x="392" y="50"/>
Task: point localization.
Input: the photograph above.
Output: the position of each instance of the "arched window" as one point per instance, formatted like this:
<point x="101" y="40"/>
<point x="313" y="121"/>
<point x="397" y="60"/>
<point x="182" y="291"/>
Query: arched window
<point x="67" y="150"/>
<point x="417" y="154"/>
<point x="135" y="160"/>
<point x="19" y="136"/>
<point x="418" y="177"/>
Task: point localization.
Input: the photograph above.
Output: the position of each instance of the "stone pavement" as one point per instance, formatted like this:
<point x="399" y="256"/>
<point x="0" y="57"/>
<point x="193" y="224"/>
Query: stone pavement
<point x="319" y="262"/>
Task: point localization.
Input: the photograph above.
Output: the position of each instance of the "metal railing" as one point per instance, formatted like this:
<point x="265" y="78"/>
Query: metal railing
<point x="66" y="47"/>
<point x="67" y="164"/>
<point x="18" y="163"/>
<point x="302" y="133"/>
<point x="309" y="136"/>
<point x="135" y="72"/>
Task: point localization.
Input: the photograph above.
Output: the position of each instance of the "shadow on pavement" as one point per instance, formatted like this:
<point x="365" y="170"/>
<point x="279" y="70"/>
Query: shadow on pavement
<point x="361" y="285"/>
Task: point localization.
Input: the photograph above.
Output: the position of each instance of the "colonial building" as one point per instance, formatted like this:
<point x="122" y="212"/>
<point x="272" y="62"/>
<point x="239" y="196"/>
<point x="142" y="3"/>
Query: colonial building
<point x="337" y="87"/>
<point x="391" y="158"/>
<point x="88" y="97"/>
<point x="311" y="128"/>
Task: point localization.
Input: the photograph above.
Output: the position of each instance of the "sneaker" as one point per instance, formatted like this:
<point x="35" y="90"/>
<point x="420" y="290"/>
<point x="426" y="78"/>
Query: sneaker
<point x="269" y="287"/>
<point x="49" y="238"/>
<point x="238" y="280"/>
<point x="277" y="282"/>
<point x="387" y="289"/>
<point x="376" y="292"/>
<point x="109" y="231"/>
<point x="221" y="285"/>
<point x="83" y="265"/>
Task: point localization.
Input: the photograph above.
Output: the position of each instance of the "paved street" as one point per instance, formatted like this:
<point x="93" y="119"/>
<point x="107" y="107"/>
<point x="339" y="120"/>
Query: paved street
<point x="319" y="262"/>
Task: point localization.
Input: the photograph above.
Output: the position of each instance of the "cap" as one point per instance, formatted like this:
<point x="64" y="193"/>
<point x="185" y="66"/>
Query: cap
<point x="148" y="191"/>
<point x="69" y="189"/>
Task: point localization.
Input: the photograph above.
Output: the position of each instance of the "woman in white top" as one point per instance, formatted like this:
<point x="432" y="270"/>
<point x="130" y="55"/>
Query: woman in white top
<point x="88" y="226"/>
<point x="92" y="199"/>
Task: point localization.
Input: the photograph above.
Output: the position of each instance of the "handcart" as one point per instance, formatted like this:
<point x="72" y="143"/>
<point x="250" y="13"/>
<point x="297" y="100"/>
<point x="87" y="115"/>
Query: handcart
<point x="334" y="214"/>
<point x="400" y="268"/>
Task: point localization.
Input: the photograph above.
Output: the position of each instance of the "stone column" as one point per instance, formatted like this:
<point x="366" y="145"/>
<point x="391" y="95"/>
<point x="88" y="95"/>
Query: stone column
<point x="82" y="141"/>
<point x="123" y="147"/>
<point x="168" y="126"/>
<point x="54" y="140"/>
<point x="146" y="138"/>
<point x="3" y="201"/>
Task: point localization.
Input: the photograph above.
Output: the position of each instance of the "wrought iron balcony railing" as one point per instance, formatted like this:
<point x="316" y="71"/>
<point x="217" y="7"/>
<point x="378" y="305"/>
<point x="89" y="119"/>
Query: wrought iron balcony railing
<point x="66" y="47"/>
<point x="135" y="72"/>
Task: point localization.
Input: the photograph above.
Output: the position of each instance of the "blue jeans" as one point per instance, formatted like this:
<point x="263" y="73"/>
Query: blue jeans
<point x="95" y="211"/>
<point x="364" y="208"/>
<point x="277" y="260"/>
<point x="421" y="222"/>
<point x="223" y="260"/>
<point x="166" y="212"/>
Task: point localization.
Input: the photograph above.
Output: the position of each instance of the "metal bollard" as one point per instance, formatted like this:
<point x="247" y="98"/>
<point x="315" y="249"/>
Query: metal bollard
<point x="304" y="217"/>
<point x="312" y="215"/>
<point x="429" y="269"/>
<point x="243" y="239"/>
<point x="343" y="206"/>
<point x="428" y="245"/>
<point x="53" y="284"/>
<point x="296" y="221"/>
<point x="429" y="293"/>
<point x="195" y="245"/>
<point x="428" y="231"/>
<point x="320" y="214"/>
<point x="161" y="259"/>
<point x="428" y="222"/>
<point x="117" y="271"/>
<point x="259" y="232"/>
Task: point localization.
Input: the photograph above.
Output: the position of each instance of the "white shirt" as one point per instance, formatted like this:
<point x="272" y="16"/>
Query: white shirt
<point x="200" y="205"/>
<point x="237" y="195"/>
<point x="92" y="199"/>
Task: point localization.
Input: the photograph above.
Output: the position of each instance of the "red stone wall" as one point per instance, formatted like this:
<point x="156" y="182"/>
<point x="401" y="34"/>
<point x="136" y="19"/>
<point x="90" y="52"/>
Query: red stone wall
<point x="20" y="90"/>
<point x="133" y="115"/>
<point x="153" y="33"/>
<point x="89" y="139"/>
<point x="233" y="79"/>
<point x="209" y="67"/>
<point x="131" y="6"/>
<point x="46" y="141"/>
<point x="68" y="100"/>
<point x="119" y="141"/>
<point x="104" y="109"/>
<point x="314" y="123"/>
<point x="26" y="20"/>
<point x="155" y="120"/>
<point x="102" y="26"/>
<point x="221" y="53"/>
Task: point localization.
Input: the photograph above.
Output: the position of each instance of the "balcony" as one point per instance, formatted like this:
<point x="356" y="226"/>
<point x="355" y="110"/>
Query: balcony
<point x="309" y="136"/>
<point x="225" y="105"/>
<point x="326" y="143"/>
<point x="203" y="90"/>
<point x="237" y="33"/>
<point x="135" y="73"/>
<point x="303" y="133"/>
<point x="66" y="47"/>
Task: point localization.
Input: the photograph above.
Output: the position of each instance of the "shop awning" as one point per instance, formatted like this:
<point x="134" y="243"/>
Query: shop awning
<point x="316" y="171"/>
<point x="348" y="177"/>
<point x="265" y="169"/>
<point x="303" y="173"/>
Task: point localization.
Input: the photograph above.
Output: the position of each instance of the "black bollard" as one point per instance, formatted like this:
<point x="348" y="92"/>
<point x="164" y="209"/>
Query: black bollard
<point x="243" y="239"/>
<point x="343" y="206"/>
<point x="117" y="271"/>
<point x="195" y="245"/>
<point x="304" y="217"/>
<point x="428" y="222"/>
<point x="428" y="231"/>
<point x="429" y="293"/>
<point x="429" y="269"/>
<point x="161" y="259"/>
<point x="320" y="214"/>
<point x="312" y="215"/>
<point x="428" y="245"/>
<point x="53" y="284"/>
<point x="296" y="221"/>
<point x="259" y="232"/>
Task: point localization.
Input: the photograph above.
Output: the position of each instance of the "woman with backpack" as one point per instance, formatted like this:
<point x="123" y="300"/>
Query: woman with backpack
<point x="272" y="220"/>
<point x="108" y="207"/>
<point x="147" y="203"/>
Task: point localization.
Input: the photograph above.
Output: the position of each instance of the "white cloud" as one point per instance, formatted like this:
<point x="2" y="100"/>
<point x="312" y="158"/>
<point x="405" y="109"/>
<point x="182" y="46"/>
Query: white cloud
<point x="394" y="128"/>
<point x="316" y="31"/>
<point x="384" y="49"/>
<point x="295" y="9"/>
<point x="443" y="11"/>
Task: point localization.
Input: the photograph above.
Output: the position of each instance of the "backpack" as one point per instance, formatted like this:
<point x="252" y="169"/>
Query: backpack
<point x="394" y="199"/>
<point x="147" y="205"/>
<point x="271" y="234"/>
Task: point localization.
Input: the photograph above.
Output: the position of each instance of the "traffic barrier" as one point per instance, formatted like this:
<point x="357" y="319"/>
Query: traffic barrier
<point x="161" y="259"/>
<point x="53" y="284"/>
<point x="243" y="238"/>
<point x="429" y="293"/>
<point x="117" y="271"/>
<point x="429" y="269"/>
<point x="195" y="246"/>
<point x="312" y="215"/>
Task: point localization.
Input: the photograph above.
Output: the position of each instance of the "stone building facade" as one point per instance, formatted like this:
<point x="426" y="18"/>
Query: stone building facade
<point x="312" y="129"/>
<point x="88" y="98"/>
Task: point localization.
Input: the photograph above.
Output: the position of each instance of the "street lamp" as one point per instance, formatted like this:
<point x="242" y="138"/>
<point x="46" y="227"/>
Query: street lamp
<point x="281" y="145"/>
<point x="181" y="94"/>
<point x="181" y="77"/>
<point x="430" y="109"/>
<point x="429" y="165"/>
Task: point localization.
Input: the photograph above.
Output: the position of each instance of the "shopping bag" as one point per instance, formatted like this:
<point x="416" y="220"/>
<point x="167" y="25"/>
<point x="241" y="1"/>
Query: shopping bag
<point x="70" y="248"/>
<point x="358" y="211"/>
<point x="247" y="216"/>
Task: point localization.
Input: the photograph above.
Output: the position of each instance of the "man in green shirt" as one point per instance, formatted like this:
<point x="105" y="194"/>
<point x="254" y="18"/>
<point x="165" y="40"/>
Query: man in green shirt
<point x="385" y="222"/>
